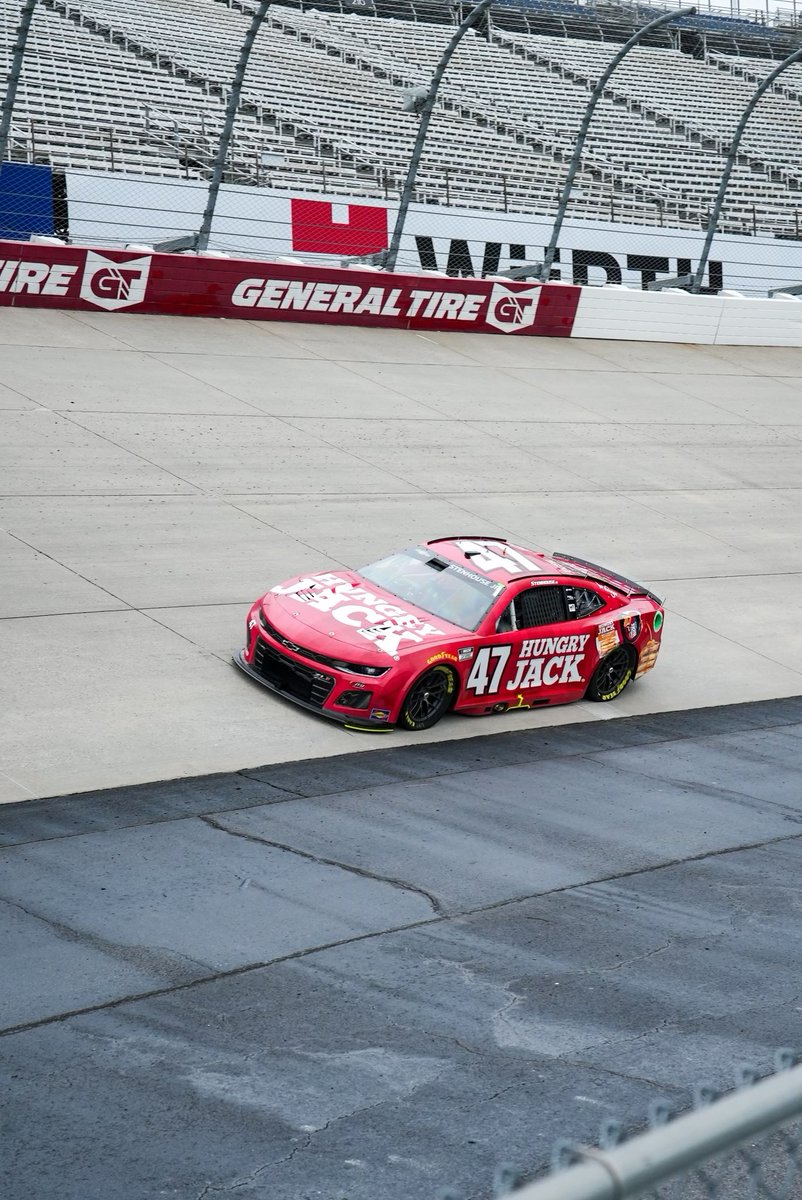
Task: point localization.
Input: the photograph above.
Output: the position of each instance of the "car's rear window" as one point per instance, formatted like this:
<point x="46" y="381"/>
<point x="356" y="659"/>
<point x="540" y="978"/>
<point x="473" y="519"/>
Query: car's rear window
<point x="440" y="587"/>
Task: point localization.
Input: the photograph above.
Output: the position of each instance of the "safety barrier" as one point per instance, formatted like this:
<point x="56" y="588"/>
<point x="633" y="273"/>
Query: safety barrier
<point x="44" y="273"/>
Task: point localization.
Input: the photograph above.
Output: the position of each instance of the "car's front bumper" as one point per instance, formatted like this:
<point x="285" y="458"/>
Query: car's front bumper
<point x="363" y="724"/>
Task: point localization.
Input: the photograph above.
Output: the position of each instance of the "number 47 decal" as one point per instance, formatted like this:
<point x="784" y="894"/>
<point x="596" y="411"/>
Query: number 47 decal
<point x="489" y="658"/>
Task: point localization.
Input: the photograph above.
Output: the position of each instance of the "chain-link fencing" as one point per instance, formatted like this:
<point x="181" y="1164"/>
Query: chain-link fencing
<point x="119" y="110"/>
<point x="743" y="1145"/>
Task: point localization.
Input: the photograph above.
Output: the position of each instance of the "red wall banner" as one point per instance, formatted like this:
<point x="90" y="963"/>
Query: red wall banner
<point x="34" y="275"/>
<point x="314" y="230"/>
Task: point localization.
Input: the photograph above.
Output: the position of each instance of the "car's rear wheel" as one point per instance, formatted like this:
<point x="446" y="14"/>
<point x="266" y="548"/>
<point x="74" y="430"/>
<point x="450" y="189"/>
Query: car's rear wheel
<point x="612" y="675"/>
<point x="428" y="699"/>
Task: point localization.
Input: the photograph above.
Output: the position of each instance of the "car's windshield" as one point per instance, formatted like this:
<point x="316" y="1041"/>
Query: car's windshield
<point x="443" y="588"/>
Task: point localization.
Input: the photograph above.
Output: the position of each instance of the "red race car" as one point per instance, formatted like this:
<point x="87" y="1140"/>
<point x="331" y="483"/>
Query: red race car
<point x="469" y="623"/>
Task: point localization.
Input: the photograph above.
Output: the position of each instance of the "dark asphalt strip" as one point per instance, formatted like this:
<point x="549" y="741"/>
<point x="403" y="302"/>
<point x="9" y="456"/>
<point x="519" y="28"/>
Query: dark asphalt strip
<point x="250" y="968"/>
<point x="30" y="821"/>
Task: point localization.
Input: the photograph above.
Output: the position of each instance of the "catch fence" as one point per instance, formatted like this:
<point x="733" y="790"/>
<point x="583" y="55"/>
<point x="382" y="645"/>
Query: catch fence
<point x="745" y="1145"/>
<point x="114" y="134"/>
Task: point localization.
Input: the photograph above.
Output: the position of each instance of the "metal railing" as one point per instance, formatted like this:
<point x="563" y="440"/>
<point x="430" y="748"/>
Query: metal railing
<point x="740" y="1146"/>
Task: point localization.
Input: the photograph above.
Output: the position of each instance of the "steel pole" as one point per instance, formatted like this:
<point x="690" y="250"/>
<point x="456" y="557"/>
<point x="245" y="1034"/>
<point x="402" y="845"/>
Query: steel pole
<point x="595" y="96"/>
<point x="228" y="125"/>
<point x="425" y="117"/>
<point x="730" y="163"/>
<point x="17" y="55"/>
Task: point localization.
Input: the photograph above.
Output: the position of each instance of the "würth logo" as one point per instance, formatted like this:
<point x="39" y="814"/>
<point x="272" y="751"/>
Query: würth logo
<point x="316" y="230"/>
<point x="508" y="310"/>
<point x="112" y="285"/>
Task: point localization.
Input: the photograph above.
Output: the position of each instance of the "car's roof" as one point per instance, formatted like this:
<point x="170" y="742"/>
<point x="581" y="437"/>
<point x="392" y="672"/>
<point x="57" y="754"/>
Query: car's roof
<point x="503" y="561"/>
<point x="469" y="551"/>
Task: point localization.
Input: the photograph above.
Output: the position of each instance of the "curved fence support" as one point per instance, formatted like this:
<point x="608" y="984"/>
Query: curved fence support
<point x="595" y="96"/>
<point x="228" y="126"/>
<point x="17" y="55"/>
<point x="425" y="117"/>
<point x="715" y="212"/>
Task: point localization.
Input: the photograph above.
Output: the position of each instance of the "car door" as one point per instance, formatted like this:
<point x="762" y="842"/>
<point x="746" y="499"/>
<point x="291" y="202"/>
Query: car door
<point x="534" y="652"/>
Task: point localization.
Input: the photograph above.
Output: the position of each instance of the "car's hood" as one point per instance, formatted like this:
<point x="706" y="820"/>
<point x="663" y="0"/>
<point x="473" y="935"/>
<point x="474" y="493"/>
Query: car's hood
<point x="344" y="615"/>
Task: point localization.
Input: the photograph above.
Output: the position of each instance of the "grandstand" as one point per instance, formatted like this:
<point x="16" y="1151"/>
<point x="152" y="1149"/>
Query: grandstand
<point x="141" y="89"/>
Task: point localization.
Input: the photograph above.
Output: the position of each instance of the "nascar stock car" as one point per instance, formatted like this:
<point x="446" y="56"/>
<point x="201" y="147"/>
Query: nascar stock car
<point x="468" y="623"/>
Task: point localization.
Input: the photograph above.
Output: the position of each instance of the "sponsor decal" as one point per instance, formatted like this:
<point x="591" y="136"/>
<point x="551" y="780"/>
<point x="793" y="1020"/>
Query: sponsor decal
<point x="474" y="248"/>
<point x="511" y="311"/>
<point x="319" y="227"/>
<point x="358" y="299"/>
<point x="606" y="638"/>
<point x="465" y="653"/>
<point x="631" y="623"/>
<point x="380" y="714"/>
<point x="443" y="656"/>
<point x="114" y="285"/>
<point x="648" y="657"/>
<point x="546" y="661"/>
<point x="35" y="278"/>
<point x="542" y="662"/>
<point x="385" y="624"/>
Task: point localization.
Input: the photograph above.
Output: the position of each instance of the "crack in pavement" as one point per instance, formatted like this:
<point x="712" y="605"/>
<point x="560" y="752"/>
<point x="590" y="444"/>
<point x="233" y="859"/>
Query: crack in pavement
<point x="144" y="958"/>
<point x="302" y="1147"/>
<point x="626" y="962"/>
<point x="362" y="872"/>
<point x="240" y="1183"/>
<point x="306" y="952"/>
<point x="677" y="1023"/>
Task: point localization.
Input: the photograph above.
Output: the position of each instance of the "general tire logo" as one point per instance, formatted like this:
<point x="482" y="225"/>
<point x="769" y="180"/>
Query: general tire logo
<point x="510" y="311"/>
<point x="113" y="285"/>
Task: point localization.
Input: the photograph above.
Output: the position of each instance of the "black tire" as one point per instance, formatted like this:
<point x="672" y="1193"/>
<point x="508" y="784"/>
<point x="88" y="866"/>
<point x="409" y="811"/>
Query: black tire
<point x="429" y="698"/>
<point x="612" y="675"/>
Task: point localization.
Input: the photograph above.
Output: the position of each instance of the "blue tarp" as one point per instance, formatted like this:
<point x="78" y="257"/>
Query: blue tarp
<point x="26" y="200"/>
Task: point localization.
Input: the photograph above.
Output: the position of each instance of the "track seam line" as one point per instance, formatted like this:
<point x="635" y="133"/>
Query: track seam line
<point x="479" y="910"/>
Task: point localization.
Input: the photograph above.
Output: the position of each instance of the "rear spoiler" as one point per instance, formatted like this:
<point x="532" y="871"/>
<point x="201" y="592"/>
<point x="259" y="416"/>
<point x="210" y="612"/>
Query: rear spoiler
<point x="620" y="582"/>
<point x="469" y="537"/>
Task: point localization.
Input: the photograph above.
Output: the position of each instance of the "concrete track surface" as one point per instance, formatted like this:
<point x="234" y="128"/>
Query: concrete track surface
<point x="156" y="474"/>
<point x="367" y="975"/>
<point x="385" y="974"/>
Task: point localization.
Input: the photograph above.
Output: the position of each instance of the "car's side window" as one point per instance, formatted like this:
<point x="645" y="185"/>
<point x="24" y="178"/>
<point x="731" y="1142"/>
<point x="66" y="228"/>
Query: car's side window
<point x="582" y="601"/>
<point x="539" y="606"/>
<point x="506" y="622"/>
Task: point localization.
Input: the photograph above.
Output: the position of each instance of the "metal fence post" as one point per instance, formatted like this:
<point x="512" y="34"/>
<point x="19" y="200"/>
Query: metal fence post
<point x="228" y="125"/>
<point x="595" y="96"/>
<point x="425" y="117"/>
<point x="17" y="55"/>
<point x="730" y="163"/>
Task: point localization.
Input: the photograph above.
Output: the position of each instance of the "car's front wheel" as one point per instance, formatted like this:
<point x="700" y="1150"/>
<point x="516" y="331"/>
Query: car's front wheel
<point x="612" y="675"/>
<point x="428" y="699"/>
